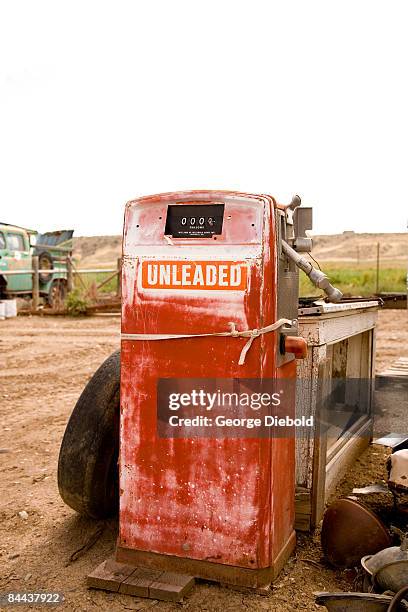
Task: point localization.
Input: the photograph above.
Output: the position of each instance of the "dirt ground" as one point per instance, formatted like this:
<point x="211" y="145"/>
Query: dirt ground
<point x="392" y="336"/>
<point x="44" y="364"/>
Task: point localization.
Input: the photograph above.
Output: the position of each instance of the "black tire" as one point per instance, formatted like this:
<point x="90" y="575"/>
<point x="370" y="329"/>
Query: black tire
<point x="45" y="262"/>
<point x="57" y="293"/>
<point x="88" y="461"/>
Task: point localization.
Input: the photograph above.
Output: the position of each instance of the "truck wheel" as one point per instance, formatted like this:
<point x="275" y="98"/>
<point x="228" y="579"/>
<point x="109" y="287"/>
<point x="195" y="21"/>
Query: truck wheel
<point x="45" y="262"/>
<point x="57" y="293"/>
<point x="88" y="461"/>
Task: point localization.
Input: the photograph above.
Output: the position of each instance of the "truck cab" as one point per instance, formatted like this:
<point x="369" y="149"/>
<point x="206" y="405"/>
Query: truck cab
<point x="18" y="245"/>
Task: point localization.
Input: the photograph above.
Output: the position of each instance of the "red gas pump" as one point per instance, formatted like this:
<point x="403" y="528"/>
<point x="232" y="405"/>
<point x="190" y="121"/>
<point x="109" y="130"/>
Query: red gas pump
<point x="193" y="263"/>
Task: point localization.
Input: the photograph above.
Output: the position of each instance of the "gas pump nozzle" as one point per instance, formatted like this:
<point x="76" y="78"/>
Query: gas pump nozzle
<point x="318" y="278"/>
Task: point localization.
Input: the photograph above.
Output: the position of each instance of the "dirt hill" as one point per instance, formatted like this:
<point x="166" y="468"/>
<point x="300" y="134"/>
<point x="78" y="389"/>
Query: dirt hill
<point x="347" y="248"/>
<point x="97" y="251"/>
<point x="358" y="248"/>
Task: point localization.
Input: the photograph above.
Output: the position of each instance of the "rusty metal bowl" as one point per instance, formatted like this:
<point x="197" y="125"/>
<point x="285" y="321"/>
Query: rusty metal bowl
<point x="353" y="602"/>
<point x="350" y="531"/>
<point x="392" y="576"/>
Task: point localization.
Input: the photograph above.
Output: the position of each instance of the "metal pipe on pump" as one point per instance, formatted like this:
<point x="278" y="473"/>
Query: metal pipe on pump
<point x="317" y="277"/>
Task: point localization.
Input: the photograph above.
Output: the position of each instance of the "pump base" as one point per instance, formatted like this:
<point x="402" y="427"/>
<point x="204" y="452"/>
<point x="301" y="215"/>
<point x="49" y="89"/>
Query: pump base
<point x="227" y="575"/>
<point x="139" y="581"/>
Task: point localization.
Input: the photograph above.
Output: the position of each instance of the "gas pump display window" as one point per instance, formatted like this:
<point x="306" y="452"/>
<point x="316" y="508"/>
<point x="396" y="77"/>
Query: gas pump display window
<point x="197" y="221"/>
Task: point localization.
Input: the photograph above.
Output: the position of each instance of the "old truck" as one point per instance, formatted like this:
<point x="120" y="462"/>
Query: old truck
<point x="18" y="245"/>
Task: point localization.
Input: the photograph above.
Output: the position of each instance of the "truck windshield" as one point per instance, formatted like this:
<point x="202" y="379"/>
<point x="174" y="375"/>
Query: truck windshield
<point x="16" y="242"/>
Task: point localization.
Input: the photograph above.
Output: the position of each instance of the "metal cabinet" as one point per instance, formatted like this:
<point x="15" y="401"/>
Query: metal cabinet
<point x="341" y="341"/>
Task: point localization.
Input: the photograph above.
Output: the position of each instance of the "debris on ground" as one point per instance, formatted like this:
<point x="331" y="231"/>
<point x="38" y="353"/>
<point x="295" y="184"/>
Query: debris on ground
<point x="49" y="361"/>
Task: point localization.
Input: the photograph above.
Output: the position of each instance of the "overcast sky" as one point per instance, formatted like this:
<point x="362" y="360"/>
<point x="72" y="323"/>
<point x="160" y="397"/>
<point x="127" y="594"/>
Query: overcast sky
<point x="101" y="102"/>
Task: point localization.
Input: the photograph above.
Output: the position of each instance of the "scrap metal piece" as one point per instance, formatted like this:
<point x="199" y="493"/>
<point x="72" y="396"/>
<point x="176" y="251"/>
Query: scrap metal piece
<point x="303" y="219"/>
<point x="399" y="469"/>
<point x="354" y="602"/>
<point x="392" y="576"/>
<point x="374" y="488"/>
<point x="398" y="600"/>
<point x="393" y="440"/>
<point x="397" y="466"/>
<point x="373" y="563"/>
<point x="349" y="531"/>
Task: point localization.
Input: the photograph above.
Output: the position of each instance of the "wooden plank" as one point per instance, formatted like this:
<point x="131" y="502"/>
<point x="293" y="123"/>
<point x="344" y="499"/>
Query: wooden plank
<point x="171" y="587"/>
<point x="104" y="282"/>
<point x="106" y="305"/>
<point x="302" y="522"/>
<point x="119" y="278"/>
<point x="304" y="406"/>
<point x="348" y="453"/>
<point x="302" y="510"/>
<point x="360" y="425"/>
<point x="36" y="283"/>
<point x="140" y="581"/>
<point x="396" y="373"/>
<point x="320" y="447"/>
<point x="306" y="402"/>
<point x="70" y="275"/>
<point x="394" y="300"/>
<point x="94" y="270"/>
<point x="372" y="352"/>
<point x="109" y="575"/>
<point x="329" y="328"/>
<point x="40" y="271"/>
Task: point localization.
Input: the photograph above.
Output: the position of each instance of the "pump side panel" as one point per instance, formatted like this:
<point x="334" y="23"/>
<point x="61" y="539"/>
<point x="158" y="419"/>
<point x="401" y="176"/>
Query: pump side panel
<point x="198" y="498"/>
<point x="283" y="473"/>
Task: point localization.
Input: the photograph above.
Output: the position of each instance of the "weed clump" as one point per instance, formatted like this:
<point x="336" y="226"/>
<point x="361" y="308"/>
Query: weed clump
<point x="76" y="303"/>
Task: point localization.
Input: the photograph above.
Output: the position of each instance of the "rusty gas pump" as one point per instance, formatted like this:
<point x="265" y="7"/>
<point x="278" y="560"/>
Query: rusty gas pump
<point x="209" y="291"/>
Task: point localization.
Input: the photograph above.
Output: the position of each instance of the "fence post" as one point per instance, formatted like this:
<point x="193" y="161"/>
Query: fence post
<point x="119" y="278"/>
<point x="36" y="283"/>
<point x="378" y="269"/>
<point x="70" y="275"/>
